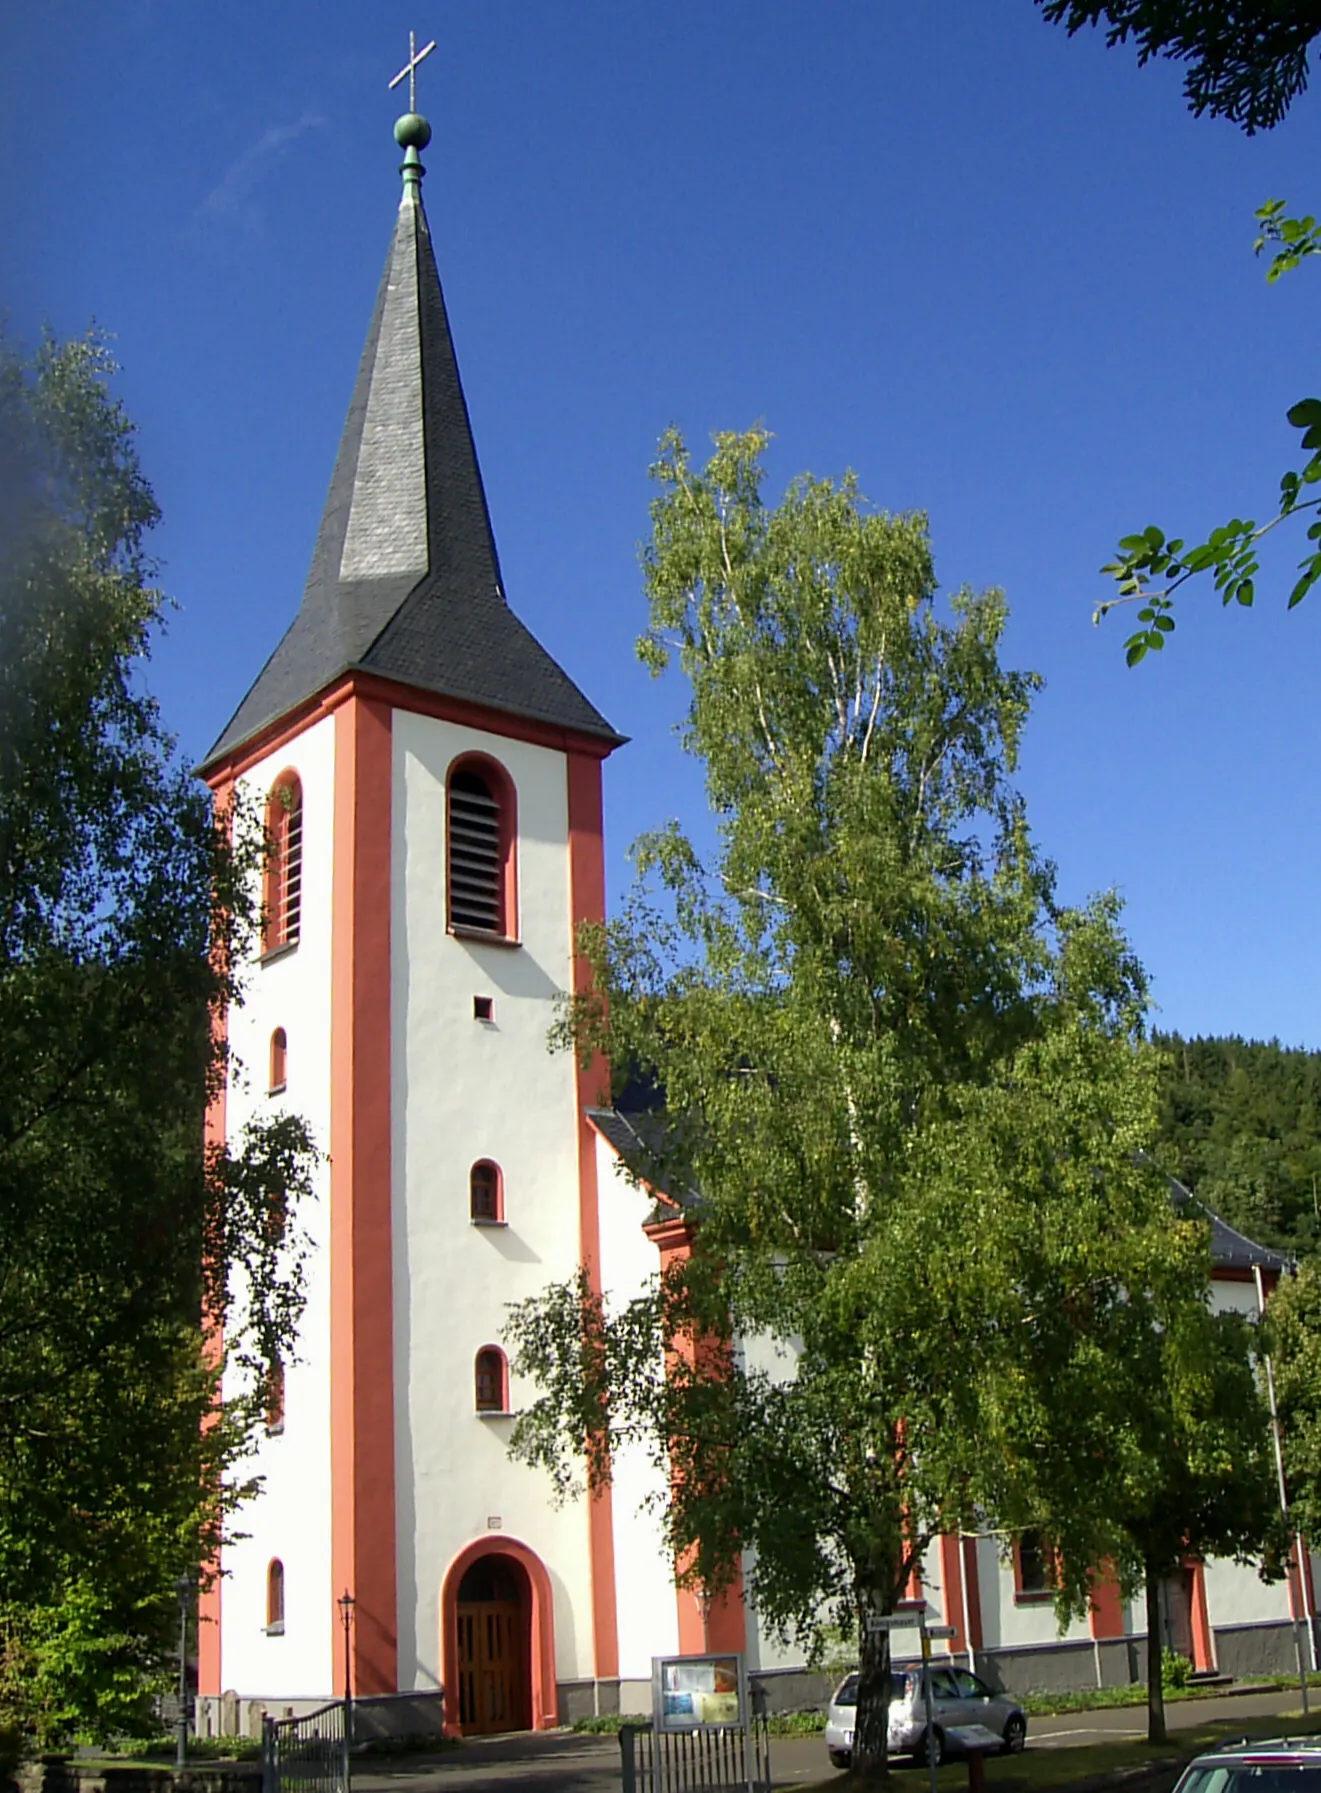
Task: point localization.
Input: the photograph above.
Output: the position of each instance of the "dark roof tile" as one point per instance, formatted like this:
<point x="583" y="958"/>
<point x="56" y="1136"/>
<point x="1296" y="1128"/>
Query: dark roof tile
<point x="405" y="578"/>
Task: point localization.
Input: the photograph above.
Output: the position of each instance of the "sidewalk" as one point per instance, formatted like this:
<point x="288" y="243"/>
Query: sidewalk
<point x="579" y="1762"/>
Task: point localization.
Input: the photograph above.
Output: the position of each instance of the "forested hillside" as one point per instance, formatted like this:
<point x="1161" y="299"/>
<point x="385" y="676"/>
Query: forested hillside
<point x="1241" y="1124"/>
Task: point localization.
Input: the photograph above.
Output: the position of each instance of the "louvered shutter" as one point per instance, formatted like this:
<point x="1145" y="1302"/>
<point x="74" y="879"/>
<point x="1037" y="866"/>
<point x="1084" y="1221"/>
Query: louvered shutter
<point x="476" y="875"/>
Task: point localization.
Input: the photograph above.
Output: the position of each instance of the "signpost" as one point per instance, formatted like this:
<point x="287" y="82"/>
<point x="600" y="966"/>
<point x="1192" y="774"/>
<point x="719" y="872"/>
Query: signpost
<point x="879" y="1623"/>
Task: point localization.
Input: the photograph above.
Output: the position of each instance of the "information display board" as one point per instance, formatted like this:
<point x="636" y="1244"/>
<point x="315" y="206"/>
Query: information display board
<point x="690" y="1693"/>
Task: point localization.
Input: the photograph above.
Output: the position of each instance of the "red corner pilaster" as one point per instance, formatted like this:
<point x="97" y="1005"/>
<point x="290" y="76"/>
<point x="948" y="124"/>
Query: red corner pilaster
<point x="362" y="1446"/>
<point x="721" y="1623"/>
<point x="1105" y="1613"/>
<point x="587" y="903"/>
<point x="209" y="1665"/>
<point x="1204" y="1659"/>
<point x="961" y="1592"/>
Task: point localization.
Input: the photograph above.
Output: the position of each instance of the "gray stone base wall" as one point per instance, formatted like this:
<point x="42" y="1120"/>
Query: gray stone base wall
<point x="377" y="1718"/>
<point x="64" y="1774"/>
<point x="1258" y="1649"/>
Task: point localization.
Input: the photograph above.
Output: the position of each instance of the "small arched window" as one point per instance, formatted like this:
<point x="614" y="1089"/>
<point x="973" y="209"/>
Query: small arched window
<point x="492" y="1381"/>
<point x="486" y="1192"/>
<point x="279" y="1060"/>
<point x="284" y="862"/>
<point x="277" y="1215"/>
<point x="482" y="832"/>
<point x="275" y="1398"/>
<point x="275" y="1596"/>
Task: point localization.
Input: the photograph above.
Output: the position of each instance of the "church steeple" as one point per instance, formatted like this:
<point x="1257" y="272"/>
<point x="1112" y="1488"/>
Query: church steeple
<point x="405" y="579"/>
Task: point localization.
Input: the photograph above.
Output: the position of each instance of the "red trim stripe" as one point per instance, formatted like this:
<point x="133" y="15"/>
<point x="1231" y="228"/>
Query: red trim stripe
<point x="362" y="1446"/>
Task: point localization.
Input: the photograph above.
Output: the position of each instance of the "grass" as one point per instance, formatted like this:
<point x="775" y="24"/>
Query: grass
<point x="782" y="1724"/>
<point x="200" y="1749"/>
<point x="1125" y="1759"/>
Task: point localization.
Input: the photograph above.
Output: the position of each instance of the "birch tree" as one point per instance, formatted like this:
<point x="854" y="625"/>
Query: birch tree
<point x="905" y="1091"/>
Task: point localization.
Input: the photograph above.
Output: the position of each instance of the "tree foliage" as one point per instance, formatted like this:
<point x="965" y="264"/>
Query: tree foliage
<point x="1194" y="1474"/>
<point x="1247" y="58"/>
<point x="1240" y="1123"/>
<point x="1293" y="1336"/>
<point x="125" y="908"/>
<point x="1248" y="63"/>
<point x="905" y="1088"/>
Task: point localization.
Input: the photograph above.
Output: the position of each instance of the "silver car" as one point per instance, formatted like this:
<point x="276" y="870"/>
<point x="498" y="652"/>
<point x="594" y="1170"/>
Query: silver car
<point x="957" y="1698"/>
<point x="1274" y="1765"/>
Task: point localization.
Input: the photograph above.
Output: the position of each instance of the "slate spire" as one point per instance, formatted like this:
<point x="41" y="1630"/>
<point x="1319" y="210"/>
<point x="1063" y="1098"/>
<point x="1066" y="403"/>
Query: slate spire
<point x="405" y="578"/>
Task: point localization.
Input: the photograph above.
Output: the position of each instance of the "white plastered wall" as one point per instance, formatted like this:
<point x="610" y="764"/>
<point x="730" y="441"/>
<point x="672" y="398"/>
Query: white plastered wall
<point x="1235" y="1593"/>
<point x="1010" y="1623"/>
<point x="290" y="1519"/>
<point x="647" y="1611"/>
<point x="462" y="1090"/>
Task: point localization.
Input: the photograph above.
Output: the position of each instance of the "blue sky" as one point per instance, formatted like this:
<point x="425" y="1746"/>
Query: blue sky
<point x="1000" y="273"/>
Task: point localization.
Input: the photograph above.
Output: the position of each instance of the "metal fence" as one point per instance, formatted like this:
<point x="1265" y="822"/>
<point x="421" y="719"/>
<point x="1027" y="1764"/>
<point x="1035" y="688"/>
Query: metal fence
<point x="308" y="1754"/>
<point x="715" y="1759"/>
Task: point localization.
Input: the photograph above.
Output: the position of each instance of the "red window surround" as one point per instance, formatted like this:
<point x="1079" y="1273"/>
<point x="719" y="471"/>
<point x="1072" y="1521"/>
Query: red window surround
<point x="1034" y="1568"/>
<point x="279" y="1061"/>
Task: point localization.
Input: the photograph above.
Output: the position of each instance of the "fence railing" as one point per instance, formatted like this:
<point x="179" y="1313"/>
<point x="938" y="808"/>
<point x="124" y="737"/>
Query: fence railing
<point x="714" y="1759"/>
<point x="308" y="1754"/>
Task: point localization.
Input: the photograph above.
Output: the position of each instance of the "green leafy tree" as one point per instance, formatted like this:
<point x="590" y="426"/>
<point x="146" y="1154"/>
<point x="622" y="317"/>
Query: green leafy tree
<point x="1240" y="1123"/>
<point x="1248" y="58"/>
<point x="126" y="906"/>
<point x="906" y="1089"/>
<point x="1248" y="63"/>
<point x="1193" y="1470"/>
<point x="1293" y="1337"/>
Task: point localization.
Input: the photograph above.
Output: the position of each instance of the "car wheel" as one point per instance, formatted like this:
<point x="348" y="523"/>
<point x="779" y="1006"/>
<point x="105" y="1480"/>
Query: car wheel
<point x="840" y="1758"/>
<point x="932" y="1747"/>
<point x="1015" y="1734"/>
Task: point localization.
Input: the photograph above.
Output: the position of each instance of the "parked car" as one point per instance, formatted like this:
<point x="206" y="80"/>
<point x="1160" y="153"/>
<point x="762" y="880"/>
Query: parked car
<point x="1277" y="1765"/>
<point x="957" y="1698"/>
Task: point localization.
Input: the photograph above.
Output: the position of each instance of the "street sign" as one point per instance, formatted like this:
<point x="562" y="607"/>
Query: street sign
<point x="891" y="1621"/>
<point x="941" y="1631"/>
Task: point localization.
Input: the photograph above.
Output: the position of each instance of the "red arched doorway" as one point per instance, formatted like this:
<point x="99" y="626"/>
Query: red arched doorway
<point x="497" y="1640"/>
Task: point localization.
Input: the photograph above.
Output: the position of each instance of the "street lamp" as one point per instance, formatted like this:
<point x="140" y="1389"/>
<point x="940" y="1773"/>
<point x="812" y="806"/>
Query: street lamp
<point x="183" y="1589"/>
<point x="345" y="1604"/>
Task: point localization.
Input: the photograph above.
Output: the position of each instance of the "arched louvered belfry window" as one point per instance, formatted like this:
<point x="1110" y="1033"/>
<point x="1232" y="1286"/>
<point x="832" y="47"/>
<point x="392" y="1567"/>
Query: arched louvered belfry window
<point x="482" y="832"/>
<point x="486" y="1192"/>
<point x="491" y="1377"/>
<point x="284" y="862"/>
<point x="275" y="1595"/>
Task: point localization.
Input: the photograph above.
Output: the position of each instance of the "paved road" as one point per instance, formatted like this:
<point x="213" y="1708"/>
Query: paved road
<point x="1073" y="1728"/>
<point x="562" y="1762"/>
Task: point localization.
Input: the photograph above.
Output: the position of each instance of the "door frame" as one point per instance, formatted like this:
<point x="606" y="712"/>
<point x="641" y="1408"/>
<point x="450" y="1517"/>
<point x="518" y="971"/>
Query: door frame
<point x="544" y="1698"/>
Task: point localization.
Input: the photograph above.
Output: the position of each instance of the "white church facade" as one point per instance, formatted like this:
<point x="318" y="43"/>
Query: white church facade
<point x="434" y="781"/>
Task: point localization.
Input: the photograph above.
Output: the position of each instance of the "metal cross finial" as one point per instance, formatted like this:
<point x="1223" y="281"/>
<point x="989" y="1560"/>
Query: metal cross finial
<point x="410" y="69"/>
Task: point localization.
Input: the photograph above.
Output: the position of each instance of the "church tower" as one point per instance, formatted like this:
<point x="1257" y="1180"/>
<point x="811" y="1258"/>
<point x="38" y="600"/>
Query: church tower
<point x="433" y="781"/>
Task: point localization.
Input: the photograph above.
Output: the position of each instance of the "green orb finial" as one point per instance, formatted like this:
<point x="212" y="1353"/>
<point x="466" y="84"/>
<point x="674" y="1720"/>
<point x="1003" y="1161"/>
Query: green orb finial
<point x="412" y="131"/>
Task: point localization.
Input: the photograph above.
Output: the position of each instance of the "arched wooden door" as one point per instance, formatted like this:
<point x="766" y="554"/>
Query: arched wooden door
<point x="494" y="1614"/>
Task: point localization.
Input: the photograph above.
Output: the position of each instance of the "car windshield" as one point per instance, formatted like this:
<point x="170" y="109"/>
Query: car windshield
<point x="847" y="1694"/>
<point x="1253" y="1777"/>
